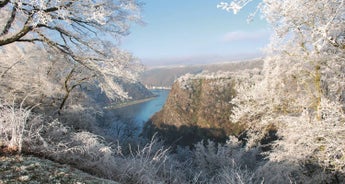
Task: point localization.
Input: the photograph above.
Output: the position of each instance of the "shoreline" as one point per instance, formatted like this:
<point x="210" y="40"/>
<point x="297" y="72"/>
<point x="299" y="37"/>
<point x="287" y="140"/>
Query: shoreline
<point x="129" y="103"/>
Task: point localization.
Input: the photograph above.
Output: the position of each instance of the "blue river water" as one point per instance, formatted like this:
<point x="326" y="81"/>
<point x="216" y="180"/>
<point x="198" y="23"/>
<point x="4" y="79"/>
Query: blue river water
<point x="142" y="112"/>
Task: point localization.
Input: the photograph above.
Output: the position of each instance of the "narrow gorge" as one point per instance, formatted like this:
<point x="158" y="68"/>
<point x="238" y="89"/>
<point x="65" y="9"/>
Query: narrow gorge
<point x="198" y="107"/>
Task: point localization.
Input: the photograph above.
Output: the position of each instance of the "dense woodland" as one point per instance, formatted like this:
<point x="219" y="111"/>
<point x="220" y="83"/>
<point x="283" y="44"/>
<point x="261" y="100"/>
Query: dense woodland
<point x="57" y="61"/>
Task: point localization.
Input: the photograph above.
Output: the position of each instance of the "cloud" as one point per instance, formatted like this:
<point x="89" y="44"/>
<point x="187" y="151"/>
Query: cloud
<point x="262" y="34"/>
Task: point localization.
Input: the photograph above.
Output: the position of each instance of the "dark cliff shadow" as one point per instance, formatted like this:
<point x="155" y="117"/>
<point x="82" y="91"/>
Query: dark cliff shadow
<point x="306" y="170"/>
<point x="184" y="135"/>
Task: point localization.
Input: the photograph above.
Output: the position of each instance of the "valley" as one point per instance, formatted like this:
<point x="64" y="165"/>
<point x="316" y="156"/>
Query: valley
<point x="172" y="92"/>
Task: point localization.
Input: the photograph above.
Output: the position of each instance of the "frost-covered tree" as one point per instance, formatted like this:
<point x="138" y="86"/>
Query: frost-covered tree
<point x="33" y="77"/>
<point x="88" y="32"/>
<point x="307" y="48"/>
<point x="302" y="92"/>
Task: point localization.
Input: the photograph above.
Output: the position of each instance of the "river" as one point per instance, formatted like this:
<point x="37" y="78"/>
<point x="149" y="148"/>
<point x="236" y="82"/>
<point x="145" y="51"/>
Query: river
<point x="142" y="112"/>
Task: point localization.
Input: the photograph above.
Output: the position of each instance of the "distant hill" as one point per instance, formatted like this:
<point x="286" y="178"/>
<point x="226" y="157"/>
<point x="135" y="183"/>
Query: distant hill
<point x="135" y="91"/>
<point x="165" y="76"/>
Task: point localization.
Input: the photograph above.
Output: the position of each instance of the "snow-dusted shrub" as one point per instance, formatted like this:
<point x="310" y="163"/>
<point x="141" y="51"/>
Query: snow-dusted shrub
<point x="22" y="130"/>
<point x="216" y="163"/>
<point x="16" y="126"/>
<point x="320" y="142"/>
<point x="93" y="154"/>
<point x="124" y="132"/>
<point x="234" y="175"/>
<point x="151" y="164"/>
<point x="80" y="117"/>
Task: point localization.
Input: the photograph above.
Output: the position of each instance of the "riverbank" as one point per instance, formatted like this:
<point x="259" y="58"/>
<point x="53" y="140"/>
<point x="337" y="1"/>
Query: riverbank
<point x="138" y="112"/>
<point x="129" y="103"/>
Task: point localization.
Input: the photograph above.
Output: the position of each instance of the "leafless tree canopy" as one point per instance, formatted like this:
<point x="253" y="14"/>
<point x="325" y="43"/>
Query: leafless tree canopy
<point x="87" y="32"/>
<point x="84" y="29"/>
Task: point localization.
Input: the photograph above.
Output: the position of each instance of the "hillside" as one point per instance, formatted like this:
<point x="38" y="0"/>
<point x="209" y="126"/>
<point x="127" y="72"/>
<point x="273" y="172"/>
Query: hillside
<point x="165" y="76"/>
<point x="29" y="169"/>
<point x="280" y="141"/>
<point x="198" y="107"/>
<point x="134" y="90"/>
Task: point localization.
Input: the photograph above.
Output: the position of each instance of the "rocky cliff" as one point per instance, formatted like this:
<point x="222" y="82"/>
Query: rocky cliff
<point x="198" y="107"/>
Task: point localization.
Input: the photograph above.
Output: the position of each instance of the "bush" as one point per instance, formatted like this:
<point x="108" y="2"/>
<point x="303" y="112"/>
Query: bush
<point x="18" y="126"/>
<point x="23" y="131"/>
<point x="216" y="163"/>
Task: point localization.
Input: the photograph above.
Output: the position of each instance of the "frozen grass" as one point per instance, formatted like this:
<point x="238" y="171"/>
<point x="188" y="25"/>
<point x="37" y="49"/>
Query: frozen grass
<point x="208" y="162"/>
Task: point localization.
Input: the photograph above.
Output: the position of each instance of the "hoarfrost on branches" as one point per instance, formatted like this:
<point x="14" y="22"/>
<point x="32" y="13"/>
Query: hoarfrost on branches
<point x="235" y="6"/>
<point x="302" y="90"/>
<point x="87" y="32"/>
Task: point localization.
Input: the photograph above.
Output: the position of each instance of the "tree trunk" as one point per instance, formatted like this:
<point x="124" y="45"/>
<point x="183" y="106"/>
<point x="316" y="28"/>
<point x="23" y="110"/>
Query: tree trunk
<point x="64" y="101"/>
<point x="318" y="91"/>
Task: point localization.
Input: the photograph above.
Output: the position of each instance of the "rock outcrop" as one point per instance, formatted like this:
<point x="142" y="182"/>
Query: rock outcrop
<point x="198" y="107"/>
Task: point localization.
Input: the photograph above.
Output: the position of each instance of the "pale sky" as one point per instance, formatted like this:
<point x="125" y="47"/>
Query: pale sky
<point x="195" y="32"/>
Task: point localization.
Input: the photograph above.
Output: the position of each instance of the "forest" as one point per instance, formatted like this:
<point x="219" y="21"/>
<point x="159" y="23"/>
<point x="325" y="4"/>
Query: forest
<point x="61" y="63"/>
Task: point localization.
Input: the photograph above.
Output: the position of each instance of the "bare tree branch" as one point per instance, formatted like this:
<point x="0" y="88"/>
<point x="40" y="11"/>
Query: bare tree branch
<point x="85" y="31"/>
<point x="31" y="40"/>
<point x="4" y="3"/>
<point x="9" y="68"/>
<point x="25" y="30"/>
<point x="16" y="37"/>
<point x="10" y="20"/>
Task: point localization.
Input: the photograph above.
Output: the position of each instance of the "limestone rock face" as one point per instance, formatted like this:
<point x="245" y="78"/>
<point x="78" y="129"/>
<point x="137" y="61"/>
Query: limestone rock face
<point x="198" y="107"/>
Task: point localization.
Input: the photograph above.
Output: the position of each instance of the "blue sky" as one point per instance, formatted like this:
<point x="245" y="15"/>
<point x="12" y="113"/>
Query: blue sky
<point x="195" y="32"/>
